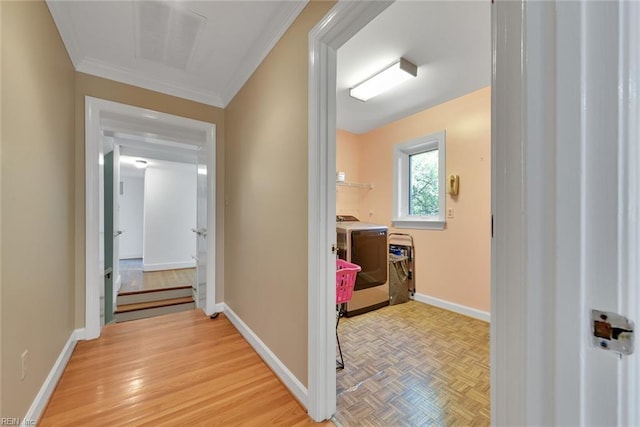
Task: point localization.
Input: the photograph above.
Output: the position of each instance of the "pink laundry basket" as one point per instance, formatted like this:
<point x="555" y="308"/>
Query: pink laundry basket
<point x="345" y="282"/>
<point x="346" y="273"/>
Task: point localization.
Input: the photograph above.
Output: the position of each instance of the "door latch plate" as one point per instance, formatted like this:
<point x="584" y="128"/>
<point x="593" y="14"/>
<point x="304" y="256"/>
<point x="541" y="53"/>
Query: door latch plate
<point x="612" y="331"/>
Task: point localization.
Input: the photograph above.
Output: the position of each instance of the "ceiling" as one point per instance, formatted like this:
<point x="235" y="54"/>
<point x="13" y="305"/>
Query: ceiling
<point x="199" y="50"/>
<point x="206" y="50"/>
<point x="449" y="41"/>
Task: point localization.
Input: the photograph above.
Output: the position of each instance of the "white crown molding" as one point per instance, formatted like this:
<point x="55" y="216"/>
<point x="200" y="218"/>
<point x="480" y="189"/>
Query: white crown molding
<point x="60" y="12"/>
<point x="120" y="74"/>
<point x="287" y="13"/>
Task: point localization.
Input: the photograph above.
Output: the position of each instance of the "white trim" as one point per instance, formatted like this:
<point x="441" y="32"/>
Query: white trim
<point x="629" y="179"/>
<point x="80" y="334"/>
<point x="485" y="316"/>
<point x="95" y="111"/>
<point x="217" y="308"/>
<point x="401" y="177"/>
<point x="109" y="71"/>
<point x="287" y="13"/>
<point x="64" y="23"/>
<point x="419" y="224"/>
<point x="276" y="365"/>
<point x="210" y="301"/>
<point x="117" y="285"/>
<point x="344" y="20"/>
<point x="169" y="266"/>
<point x="44" y="394"/>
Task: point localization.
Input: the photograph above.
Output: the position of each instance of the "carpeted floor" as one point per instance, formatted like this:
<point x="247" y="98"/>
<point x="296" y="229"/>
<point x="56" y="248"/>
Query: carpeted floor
<point x="413" y="364"/>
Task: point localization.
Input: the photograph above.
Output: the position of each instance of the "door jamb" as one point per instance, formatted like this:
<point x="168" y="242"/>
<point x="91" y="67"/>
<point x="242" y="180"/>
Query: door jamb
<point x="344" y="20"/>
<point x="95" y="111"/>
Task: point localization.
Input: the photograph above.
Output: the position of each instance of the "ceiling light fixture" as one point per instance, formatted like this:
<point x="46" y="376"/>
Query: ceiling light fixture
<point x="140" y="164"/>
<point x="398" y="72"/>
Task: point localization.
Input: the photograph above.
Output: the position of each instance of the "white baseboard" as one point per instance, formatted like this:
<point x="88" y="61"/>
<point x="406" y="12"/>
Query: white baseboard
<point x="452" y="306"/>
<point x="169" y="266"/>
<point x="44" y="394"/>
<point x="285" y="375"/>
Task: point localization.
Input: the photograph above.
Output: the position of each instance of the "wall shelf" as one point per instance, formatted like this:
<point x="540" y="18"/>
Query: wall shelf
<point x="365" y="185"/>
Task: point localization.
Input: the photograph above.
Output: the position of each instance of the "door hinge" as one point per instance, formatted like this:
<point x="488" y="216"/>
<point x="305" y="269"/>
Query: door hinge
<point x="492" y="226"/>
<point x="612" y="331"/>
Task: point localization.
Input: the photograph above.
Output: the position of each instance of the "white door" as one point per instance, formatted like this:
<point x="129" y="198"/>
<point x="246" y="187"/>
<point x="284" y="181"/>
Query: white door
<point x="200" y="290"/>
<point x="117" y="279"/>
<point x="593" y="98"/>
<point x="565" y="189"/>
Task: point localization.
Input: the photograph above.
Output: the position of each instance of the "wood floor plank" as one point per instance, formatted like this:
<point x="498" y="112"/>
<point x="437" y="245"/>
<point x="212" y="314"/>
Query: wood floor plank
<point x="149" y="304"/>
<point x="178" y="369"/>
<point x="135" y="279"/>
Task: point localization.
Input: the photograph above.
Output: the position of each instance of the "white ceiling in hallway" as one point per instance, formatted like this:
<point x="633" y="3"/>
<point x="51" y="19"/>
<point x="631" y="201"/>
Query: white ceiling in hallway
<point x="449" y="41"/>
<point x="198" y="50"/>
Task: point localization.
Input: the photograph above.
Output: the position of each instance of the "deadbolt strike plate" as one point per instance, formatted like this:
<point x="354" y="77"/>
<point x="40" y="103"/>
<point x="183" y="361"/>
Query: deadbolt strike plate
<point x="612" y="332"/>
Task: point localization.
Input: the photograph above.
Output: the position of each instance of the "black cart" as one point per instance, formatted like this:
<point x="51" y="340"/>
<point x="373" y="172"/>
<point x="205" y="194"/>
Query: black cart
<point x="401" y="268"/>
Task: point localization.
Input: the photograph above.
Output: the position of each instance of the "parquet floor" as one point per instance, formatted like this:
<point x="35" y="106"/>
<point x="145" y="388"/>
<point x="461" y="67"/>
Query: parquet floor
<point x="413" y="365"/>
<point x="180" y="369"/>
<point x="134" y="279"/>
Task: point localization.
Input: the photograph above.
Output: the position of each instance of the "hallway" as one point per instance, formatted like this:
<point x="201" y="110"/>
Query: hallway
<point x="177" y="369"/>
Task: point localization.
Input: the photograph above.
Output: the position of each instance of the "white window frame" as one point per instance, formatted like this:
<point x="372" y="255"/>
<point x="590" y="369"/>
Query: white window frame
<point x="401" y="172"/>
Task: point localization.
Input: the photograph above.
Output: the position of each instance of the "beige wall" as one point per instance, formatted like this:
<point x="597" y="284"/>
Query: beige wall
<point x="348" y="161"/>
<point x="266" y="196"/>
<point x="452" y="264"/>
<point x="37" y="176"/>
<point x="87" y="85"/>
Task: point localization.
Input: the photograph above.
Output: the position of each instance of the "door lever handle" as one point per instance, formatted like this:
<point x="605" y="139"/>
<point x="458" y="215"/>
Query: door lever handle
<point x="117" y="233"/>
<point x="200" y="231"/>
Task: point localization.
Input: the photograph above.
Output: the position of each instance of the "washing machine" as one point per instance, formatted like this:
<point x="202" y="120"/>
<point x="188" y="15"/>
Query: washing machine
<point x="366" y="245"/>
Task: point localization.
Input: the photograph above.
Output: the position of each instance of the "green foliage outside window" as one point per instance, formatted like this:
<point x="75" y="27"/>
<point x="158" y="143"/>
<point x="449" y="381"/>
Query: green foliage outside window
<point x="424" y="191"/>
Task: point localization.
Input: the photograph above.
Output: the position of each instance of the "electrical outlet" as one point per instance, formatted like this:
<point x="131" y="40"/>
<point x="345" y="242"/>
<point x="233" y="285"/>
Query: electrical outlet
<point x="450" y="213"/>
<point x="23" y="365"/>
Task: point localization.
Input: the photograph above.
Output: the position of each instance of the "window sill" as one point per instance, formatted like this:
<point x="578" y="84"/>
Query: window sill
<point x="420" y="224"/>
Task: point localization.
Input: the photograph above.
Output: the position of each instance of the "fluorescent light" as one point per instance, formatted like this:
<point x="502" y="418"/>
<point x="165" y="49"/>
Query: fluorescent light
<point x="398" y="72"/>
<point x="140" y="164"/>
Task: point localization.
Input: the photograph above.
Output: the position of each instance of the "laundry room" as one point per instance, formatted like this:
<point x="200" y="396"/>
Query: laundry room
<point x="452" y="256"/>
<point x="413" y="212"/>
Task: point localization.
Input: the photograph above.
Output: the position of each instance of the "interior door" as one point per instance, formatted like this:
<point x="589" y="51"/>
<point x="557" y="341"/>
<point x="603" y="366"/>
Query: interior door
<point x="108" y="242"/>
<point x="117" y="278"/>
<point x="595" y="95"/>
<point x="200" y="291"/>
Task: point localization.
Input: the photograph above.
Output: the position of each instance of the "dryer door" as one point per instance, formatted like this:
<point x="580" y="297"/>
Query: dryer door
<point x="369" y="251"/>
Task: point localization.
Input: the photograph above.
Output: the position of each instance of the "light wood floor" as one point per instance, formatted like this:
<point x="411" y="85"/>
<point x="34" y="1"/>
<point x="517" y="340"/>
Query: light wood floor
<point x="134" y="279"/>
<point x="413" y="365"/>
<point x="177" y="369"/>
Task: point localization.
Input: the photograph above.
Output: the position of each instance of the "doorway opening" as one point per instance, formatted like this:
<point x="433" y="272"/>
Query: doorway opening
<point x="424" y="358"/>
<point x="325" y="41"/>
<point x="151" y="132"/>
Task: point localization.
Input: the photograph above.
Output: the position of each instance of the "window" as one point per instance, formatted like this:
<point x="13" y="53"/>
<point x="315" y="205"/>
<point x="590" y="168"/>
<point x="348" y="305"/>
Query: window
<point x="419" y="183"/>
